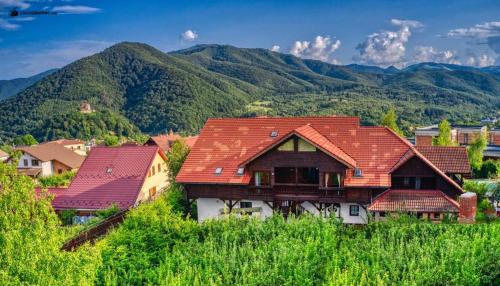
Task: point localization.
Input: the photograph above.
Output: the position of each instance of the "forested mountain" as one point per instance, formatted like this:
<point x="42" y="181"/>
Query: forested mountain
<point x="12" y="87"/>
<point x="156" y="91"/>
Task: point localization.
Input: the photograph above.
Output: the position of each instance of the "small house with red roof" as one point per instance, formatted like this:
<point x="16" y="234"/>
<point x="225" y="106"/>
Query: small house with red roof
<point x="123" y="176"/>
<point x="165" y="141"/>
<point x="320" y="165"/>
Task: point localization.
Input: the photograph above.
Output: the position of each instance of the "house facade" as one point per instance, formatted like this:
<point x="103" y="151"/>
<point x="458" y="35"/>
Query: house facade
<point x="47" y="159"/>
<point x="165" y="141"/>
<point x="123" y="176"/>
<point x="326" y="166"/>
<point x="463" y="135"/>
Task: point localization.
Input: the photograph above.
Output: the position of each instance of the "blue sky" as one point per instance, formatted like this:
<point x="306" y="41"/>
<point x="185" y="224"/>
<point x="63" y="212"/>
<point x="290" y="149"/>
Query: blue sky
<point x="380" y="33"/>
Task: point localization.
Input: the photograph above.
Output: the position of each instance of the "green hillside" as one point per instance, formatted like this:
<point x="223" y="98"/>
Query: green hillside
<point x="156" y="91"/>
<point x="12" y="87"/>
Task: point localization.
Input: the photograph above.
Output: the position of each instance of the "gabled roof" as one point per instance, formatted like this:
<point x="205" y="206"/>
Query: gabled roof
<point x="228" y="143"/>
<point x="165" y="141"/>
<point x="53" y="151"/>
<point x="314" y="138"/>
<point x="66" y="142"/>
<point x="108" y="175"/>
<point x="451" y="160"/>
<point x="3" y="154"/>
<point x="413" y="201"/>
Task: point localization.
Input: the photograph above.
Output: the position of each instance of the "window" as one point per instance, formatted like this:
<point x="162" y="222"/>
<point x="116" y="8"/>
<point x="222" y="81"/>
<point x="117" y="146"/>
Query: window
<point x="354" y="210"/>
<point x="287" y="146"/>
<point x="284" y="175"/>
<point x="218" y="170"/>
<point x="79" y="147"/>
<point x="245" y="205"/>
<point x="332" y="180"/>
<point x="308" y="176"/>
<point x="274" y="133"/>
<point x="262" y="178"/>
<point x="428" y="183"/>
<point x="406" y="181"/>
<point x="152" y="192"/>
<point x="381" y="214"/>
<point x="159" y="167"/>
<point x="304" y="146"/>
<point x="153" y="170"/>
<point x="109" y="170"/>
<point x="417" y="183"/>
<point x="466" y="138"/>
<point x="25" y="161"/>
<point x="358" y="173"/>
<point x="240" y="171"/>
<point x="35" y="162"/>
<point x="59" y="171"/>
<point x="149" y="173"/>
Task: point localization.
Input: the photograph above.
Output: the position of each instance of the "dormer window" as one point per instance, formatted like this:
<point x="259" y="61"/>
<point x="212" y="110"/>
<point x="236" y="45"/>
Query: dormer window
<point x="218" y="171"/>
<point x="240" y="171"/>
<point x="358" y="173"/>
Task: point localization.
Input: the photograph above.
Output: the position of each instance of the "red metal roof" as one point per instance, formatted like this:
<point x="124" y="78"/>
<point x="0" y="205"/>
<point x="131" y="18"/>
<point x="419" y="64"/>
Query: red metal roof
<point x="227" y="143"/>
<point x="108" y="175"/>
<point x="452" y="160"/>
<point x="413" y="201"/>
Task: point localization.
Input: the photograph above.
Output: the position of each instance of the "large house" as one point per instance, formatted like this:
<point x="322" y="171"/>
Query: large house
<point x="123" y="176"/>
<point x="47" y="159"/>
<point x="321" y="165"/>
<point x="165" y="141"/>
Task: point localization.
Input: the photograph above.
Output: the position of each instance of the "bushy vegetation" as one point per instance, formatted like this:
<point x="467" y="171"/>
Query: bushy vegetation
<point x="156" y="246"/>
<point x="58" y="180"/>
<point x="30" y="237"/>
<point x="107" y="212"/>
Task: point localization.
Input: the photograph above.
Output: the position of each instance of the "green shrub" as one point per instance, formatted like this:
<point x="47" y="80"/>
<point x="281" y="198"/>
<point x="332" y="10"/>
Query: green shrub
<point x="107" y="212"/>
<point x="66" y="216"/>
<point x="59" y="180"/>
<point x="489" y="169"/>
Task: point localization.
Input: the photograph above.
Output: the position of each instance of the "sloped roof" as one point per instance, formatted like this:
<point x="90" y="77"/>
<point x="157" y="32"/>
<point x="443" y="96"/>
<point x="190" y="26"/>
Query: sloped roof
<point x="66" y="142"/>
<point x="3" y="154"/>
<point x="227" y="143"/>
<point x="453" y="160"/>
<point x="413" y="201"/>
<point x="108" y="175"/>
<point x="52" y="151"/>
<point x="165" y="141"/>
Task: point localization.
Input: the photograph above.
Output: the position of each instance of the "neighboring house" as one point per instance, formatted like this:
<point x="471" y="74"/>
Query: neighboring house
<point x="321" y="165"/>
<point x="165" y="141"/>
<point x="453" y="160"/>
<point x="3" y="156"/>
<point x="494" y="138"/>
<point x="47" y="160"/>
<point x="75" y="145"/>
<point x="124" y="176"/>
<point x="464" y="135"/>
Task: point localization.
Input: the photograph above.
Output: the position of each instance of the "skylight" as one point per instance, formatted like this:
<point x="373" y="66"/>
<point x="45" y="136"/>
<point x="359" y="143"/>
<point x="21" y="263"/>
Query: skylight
<point x="274" y="133"/>
<point x="218" y="170"/>
<point x="109" y="170"/>
<point x="358" y="173"/>
<point x="240" y="171"/>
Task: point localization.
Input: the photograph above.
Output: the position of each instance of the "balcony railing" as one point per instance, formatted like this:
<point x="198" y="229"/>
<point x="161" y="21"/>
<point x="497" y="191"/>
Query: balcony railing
<point x="295" y="192"/>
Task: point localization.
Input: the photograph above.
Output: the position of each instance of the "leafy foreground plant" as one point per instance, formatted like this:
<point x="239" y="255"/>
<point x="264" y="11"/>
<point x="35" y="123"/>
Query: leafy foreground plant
<point x="30" y="237"/>
<point x="158" y="247"/>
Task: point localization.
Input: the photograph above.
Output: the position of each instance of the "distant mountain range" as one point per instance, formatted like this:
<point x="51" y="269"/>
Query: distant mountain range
<point x="12" y="87"/>
<point x="156" y="91"/>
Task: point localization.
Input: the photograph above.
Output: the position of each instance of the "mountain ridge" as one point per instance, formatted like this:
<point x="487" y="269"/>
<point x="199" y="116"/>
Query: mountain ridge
<point x="179" y="90"/>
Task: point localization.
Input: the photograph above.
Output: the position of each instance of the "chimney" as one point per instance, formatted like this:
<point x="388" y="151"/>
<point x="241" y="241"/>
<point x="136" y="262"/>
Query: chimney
<point x="467" y="209"/>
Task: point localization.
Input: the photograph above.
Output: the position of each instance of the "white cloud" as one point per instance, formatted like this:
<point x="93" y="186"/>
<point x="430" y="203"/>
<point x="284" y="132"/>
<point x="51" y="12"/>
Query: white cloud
<point x="430" y="54"/>
<point x="189" y="36"/>
<point x="484" y="30"/>
<point x="14" y="4"/>
<point x="483" y="60"/>
<point x="78" y="9"/>
<point x="6" y="25"/>
<point x="28" y="60"/>
<point x="275" y="48"/>
<point x="321" y="49"/>
<point x="387" y="47"/>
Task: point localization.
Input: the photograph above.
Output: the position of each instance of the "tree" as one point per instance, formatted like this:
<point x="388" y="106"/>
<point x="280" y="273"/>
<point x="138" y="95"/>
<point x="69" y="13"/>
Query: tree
<point x="111" y="140"/>
<point x="176" y="157"/>
<point x="389" y="120"/>
<point x="25" y="140"/>
<point x="30" y="238"/>
<point x="476" y="150"/>
<point x="444" y="138"/>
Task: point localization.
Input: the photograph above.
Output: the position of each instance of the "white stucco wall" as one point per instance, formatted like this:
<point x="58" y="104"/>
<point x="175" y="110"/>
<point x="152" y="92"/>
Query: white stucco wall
<point x="47" y="169"/>
<point x="209" y="208"/>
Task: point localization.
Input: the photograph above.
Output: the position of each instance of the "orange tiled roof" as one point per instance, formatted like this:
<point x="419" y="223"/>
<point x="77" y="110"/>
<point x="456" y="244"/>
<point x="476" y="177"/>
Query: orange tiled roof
<point x="165" y="141"/>
<point x="413" y="201"/>
<point x="228" y="143"/>
<point x="452" y="160"/>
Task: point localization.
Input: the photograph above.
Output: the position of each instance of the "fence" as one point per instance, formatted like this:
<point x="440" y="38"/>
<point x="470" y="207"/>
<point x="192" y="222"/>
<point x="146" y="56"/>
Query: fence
<point x="94" y="232"/>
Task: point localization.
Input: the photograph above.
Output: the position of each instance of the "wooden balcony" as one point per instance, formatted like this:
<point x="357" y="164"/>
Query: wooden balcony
<point x="296" y="193"/>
